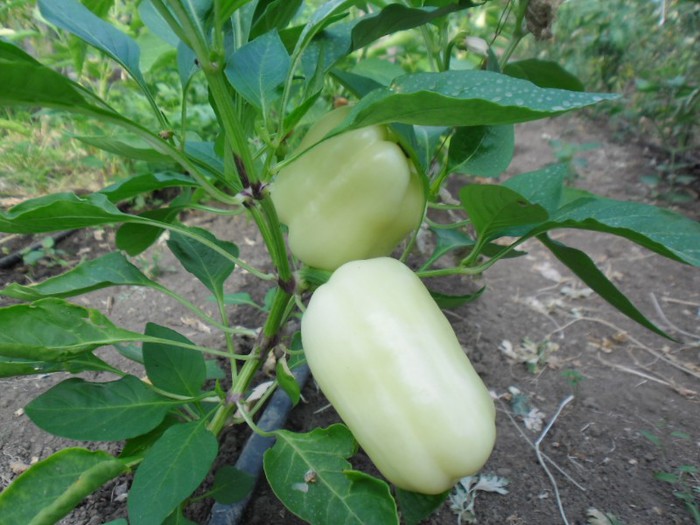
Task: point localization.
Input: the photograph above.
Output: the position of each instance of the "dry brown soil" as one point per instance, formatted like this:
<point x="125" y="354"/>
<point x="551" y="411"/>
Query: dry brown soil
<point x="634" y="411"/>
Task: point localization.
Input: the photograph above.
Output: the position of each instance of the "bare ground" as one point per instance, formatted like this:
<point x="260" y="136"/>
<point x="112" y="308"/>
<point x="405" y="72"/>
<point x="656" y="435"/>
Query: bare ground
<point x="537" y="337"/>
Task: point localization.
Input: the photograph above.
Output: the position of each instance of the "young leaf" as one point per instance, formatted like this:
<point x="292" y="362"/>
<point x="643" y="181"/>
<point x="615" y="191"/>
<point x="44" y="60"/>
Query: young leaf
<point x="463" y="98"/>
<point x="10" y="367"/>
<point x="209" y="266"/>
<point x="286" y="380"/>
<point x="544" y="74"/>
<point x="449" y="302"/>
<point x="273" y="14"/>
<point x="112" y="269"/>
<point x="149" y="182"/>
<point x="77" y="409"/>
<point x="172" y="469"/>
<point x="482" y="151"/>
<point x="171" y="368"/>
<point x="416" y="507"/>
<point x="310" y="474"/>
<point x="396" y="17"/>
<point x="447" y="240"/>
<point x="135" y="238"/>
<point x="231" y="485"/>
<point x="496" y="210"/>
<point x="55" y="330"/>
<point x="543" y="186"/>
<point x="258" y="69"/>
<point x="61" y="211"/>
<point x="75" y="18"/>
<point x="582" y="265"/>
<point x="50" y="489"/>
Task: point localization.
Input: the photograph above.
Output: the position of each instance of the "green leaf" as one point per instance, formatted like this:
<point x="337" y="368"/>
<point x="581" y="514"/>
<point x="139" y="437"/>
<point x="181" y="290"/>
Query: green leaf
<point x="310" y="474"/>
<point x="61" y="211"/>
<point x="449" y="302"/>
<point x="55" y="330"/>
<point x="258" y="69"/>
<point x="112" y="411"/>
<point x="126" y="146"/>
<point x="582" y="265"/>
<point x="172" y="469"/>
<point x="543" y="73"/>
<point x="463" y="98"/>
<point x="112" y="269"/>
<point x="416" y="507"/>
<point x="171" y="368"/>
<point x="27" y="83"/>
<point x="543" y="186"/>
<point x="75" y="18"/>
<point x="207" y="265"/>
<point x="135" y="238"/>
<point x="51" y="488"/>
<point x="396" y="17"/>
<point x="482" y="151"/>
<point x="662" y="231"/>
<point x="146" y="183"/>
<point x="447" y="240"/>
<point x="273" y="14"/>
<point x="231" y="485"/>
<point x="495" y="210"/>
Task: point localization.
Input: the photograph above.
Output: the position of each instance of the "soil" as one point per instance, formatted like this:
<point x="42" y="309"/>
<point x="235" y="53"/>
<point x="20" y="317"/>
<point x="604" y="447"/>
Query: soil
<point x="590" y="406"/>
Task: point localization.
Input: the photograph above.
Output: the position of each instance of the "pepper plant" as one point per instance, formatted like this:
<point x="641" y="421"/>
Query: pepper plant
<point x="362" y="181"/>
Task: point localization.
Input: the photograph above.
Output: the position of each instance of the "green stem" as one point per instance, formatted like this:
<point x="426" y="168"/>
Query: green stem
<point x="274" y="322"/>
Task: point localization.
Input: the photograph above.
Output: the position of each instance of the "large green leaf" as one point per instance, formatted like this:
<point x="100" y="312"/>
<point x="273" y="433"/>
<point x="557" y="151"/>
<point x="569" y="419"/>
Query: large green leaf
<point x="61" y="211"/>
<point x="172" y="469"/>
<point x="12" y="53"/>
<point x="112" y="411"/>
<point x="258" y="69"/>
<point x="209" y="266"/>
<point x="32" y="84"/>
<point x="75" y="18"/>
<point x="112" y="269"/>
<point x="662" y="231"/>
<point x="482" y="151"/>
<point x="582" y="265"/>
<point x="464" y="98"/>
<point x="310" y="474"/>
<point x="55" y="330"/>
<point x="51" y="488"/>
<point x="171" y="368"/>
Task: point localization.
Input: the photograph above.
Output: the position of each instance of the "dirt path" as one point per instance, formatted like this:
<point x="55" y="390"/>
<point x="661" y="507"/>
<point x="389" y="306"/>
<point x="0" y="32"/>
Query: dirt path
<point x="537" y="336"/>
